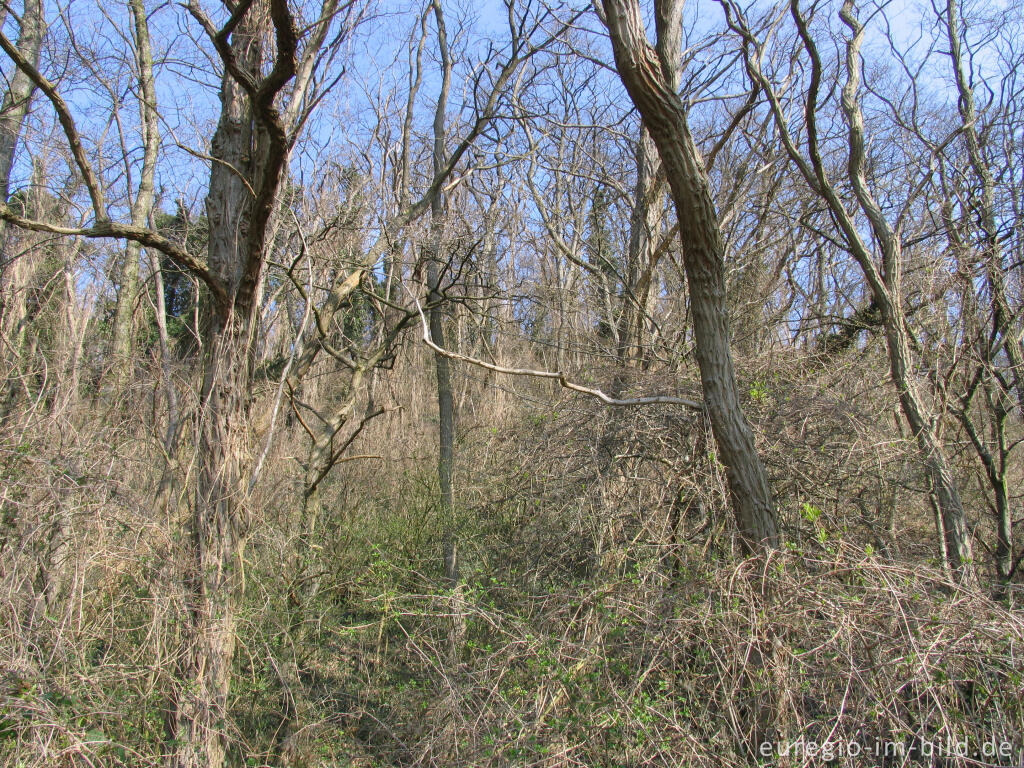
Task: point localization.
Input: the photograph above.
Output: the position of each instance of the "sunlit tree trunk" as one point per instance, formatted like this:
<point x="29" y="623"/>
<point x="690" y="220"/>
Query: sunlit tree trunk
<point x="221" y="514"/>
<point x="643" y="72"/>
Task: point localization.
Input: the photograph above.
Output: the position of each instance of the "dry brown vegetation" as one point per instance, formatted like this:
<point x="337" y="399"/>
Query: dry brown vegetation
<point x="248" y="517"/>
<point x="604" y="616"/>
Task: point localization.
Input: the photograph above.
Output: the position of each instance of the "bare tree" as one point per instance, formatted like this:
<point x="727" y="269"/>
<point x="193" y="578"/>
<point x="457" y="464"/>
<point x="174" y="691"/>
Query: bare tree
<point x="142" y="205"/>
<point x="442" y="367"/>
<point x="978" y="228"/>
<point x="884" y="276"/>
<point x="646" y="74"/>
<point x="249" y="154"/>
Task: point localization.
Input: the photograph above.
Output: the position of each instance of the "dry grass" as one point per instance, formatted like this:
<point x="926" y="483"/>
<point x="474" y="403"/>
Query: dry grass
<point x="604" y="617"/>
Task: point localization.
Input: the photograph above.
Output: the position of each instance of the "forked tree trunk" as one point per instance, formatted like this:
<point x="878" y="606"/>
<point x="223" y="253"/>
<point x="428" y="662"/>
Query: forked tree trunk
<point x="643" y="75"/>
<point x="886" y="290"/>
<point x="884" y="282"/>
<point x="249" y="163"/>
<point x="219" y="519"/>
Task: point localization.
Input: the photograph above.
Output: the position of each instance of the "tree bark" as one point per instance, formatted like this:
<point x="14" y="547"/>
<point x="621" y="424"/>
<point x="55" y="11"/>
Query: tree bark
<point x="643" y="74"/>
<point x="219" y="519"/>
<point x="217" y="534"/>
<point x="442" y="366"/>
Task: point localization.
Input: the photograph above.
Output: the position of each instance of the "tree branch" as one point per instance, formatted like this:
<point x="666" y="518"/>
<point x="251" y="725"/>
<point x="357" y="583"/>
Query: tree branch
<point x="67" y="122"/>
<point x="141" y="235"/>
<point x="557" y="375"/>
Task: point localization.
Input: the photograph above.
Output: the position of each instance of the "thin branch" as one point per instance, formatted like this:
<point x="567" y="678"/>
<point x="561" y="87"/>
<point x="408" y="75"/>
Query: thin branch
<point x="557" y="375"/>
<point x="67" y="122"/>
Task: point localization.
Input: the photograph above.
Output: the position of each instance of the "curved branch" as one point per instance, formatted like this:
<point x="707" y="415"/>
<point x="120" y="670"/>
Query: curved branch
<point x="557" y="375"/>
<point x="140" y="235"/>
<point x="67" y="123"/>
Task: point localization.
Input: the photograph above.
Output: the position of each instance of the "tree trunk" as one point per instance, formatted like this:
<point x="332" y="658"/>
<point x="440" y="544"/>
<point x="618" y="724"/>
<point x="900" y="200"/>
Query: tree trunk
<point x="142" y="206"/>
<point x="77" y="315"/>
<point x="20" y="90"/>
<point x="1005" y="322"/>
<point x="644" y="227"/>
<point x="703" y="255"/>
<point x="954" y="522"/>
<point x="220" y="516"/>
<point x="15" y="276"/>
<point x="217" y="535"/>
<point x="886" y="290"/>
<point x="442" y="366"/>
<point x="446" y="435"/>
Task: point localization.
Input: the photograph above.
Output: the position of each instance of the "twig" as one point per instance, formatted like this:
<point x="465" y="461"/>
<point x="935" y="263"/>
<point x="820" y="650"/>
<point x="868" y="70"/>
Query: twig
<point x="288" y="366"/>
